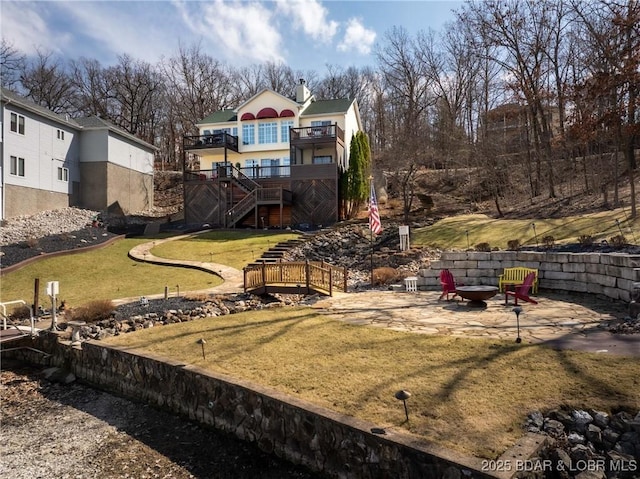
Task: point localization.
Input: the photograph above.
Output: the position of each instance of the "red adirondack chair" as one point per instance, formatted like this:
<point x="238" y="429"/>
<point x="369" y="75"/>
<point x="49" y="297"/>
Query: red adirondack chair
<point x="522" y="291"/>
<point x="448" y="284"/>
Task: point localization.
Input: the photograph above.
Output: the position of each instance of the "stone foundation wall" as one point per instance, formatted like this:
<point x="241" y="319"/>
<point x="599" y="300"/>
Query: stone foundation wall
<point x="20" y="200"/>
<point x="337" y="445"/>
<point x="611" y="275"/>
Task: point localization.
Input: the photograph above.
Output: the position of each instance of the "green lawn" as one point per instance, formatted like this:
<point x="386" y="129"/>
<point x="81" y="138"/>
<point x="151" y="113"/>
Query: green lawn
<point x="452" y="232"/>
<point x="215" y="247"/>
<point x="471" y="395"/>
<point x="106" y="273"/>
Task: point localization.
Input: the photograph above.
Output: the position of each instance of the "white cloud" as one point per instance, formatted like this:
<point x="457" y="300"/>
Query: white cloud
<point x="119" y="28"/>
<point x="310" y="17"/>
<point x="357" y="37"/>
<point x="238" y="30"/>
<point x="24" y="25"/>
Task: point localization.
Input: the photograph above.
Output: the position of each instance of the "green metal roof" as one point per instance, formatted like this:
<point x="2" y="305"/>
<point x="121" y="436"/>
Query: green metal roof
<point x="325" y="107"/>
<point x="221" y="116"/>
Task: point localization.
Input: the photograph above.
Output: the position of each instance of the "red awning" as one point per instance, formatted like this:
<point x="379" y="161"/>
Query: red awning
<point x="267" y="113"/>
<point x="247" y="116"/>
<point x="286" y="114"/>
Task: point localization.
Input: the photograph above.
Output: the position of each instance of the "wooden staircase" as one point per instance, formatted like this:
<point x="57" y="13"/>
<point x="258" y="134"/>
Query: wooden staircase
<point x="255" y="194"/>
<point x="277" y="252"/>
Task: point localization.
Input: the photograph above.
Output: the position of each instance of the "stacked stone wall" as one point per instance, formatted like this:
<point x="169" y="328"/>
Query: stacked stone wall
<point x="611" y="275"/>
<point x="323" y="440"/>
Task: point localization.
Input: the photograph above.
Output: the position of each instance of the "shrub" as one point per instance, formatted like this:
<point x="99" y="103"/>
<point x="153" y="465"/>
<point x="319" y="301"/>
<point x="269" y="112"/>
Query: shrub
<point x="384" y="275"/>
<point x="513" y="245"/>
<point x="31" y="243"/>
<point x="21" y="312"/>
<point x="585" y="240"/>
<point x="486" y="247"/>
<point x="93" y="311"/>
<point x="548" y="241"/>
<point x="196" y="296"/>
<point x="618" y="241"/>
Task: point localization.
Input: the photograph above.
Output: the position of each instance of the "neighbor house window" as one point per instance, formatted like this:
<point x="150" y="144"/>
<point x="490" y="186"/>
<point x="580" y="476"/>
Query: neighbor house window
<point x="63" y="174"/>
<point x="321" y="160"/>
<point x="285" y="125"/>
<point x="268" y="133"/>
<point x="60" y="135"/>
<point x="17" y="123"/>
<point x="16" y="167"/>
<point x="248" y="134"/>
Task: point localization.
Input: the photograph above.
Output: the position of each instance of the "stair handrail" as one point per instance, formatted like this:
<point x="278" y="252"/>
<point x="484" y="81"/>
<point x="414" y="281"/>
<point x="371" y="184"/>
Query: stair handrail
<point x="244" y="205"/>
<point x="243" y="179"/>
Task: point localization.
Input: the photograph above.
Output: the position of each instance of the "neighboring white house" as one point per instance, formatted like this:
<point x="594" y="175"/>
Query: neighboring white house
<point x="51" y="161"/>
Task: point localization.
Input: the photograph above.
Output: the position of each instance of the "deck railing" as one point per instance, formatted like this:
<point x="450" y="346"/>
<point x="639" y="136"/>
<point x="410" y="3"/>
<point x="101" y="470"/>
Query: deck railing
<point x="212" y="140"/>
<point x="297" y="276"/>
<point x="317" y="132"/>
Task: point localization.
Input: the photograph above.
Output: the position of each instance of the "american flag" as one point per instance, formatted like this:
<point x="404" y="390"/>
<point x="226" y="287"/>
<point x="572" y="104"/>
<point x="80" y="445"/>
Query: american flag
<point x="374" y="214"/>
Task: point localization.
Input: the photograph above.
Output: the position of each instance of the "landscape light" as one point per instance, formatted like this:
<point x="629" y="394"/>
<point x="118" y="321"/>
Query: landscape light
<point x="202" y="342"/>
<point x="518" y="310"/>
<point x="403" y="395"/>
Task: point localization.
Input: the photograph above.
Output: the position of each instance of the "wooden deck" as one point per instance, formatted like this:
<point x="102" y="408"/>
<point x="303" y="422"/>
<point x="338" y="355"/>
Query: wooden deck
<point x="307" y="277"/>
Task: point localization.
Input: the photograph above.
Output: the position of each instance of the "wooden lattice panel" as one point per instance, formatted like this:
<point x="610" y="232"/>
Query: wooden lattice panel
<point x="315" y="202"/>
<point x="203" y="203"/>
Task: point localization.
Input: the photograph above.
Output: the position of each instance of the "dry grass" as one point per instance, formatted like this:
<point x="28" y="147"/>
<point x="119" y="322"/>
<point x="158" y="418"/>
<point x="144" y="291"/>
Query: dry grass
<point x="452" y="232"/>
<point x="467" y="394"/>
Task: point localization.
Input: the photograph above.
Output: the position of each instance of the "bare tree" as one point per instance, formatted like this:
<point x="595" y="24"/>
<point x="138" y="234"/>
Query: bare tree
<point x="407" y="97"/>
<point x="613" y="78"/>
<point x="12" y="62"/>
<point x="94" y="91"/>
<point x="45" y="81"/>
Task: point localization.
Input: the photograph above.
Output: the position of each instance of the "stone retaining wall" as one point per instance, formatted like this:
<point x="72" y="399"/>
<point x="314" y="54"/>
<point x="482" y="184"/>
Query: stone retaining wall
<point x="611" y="275"/>
<point x="323" y="440"/>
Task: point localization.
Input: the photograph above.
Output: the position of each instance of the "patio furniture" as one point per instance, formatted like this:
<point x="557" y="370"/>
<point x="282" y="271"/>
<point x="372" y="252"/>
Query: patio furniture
<point x="411" y="283"/>
<point x="448" y="283"/>
<point x="477" y="295"/>
<point x="522" y="291"/>
<point x="515" y="277"/>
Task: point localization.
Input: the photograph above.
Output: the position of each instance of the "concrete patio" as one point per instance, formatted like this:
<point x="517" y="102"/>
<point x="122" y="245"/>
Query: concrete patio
<point x="577" y="321"/>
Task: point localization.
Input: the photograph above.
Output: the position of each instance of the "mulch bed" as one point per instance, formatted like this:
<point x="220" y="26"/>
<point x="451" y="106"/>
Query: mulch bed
<point x="17" y="252"/>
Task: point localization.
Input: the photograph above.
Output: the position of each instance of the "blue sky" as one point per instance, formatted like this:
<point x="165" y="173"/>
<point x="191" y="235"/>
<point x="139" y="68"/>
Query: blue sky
<point x="304" y="34"/>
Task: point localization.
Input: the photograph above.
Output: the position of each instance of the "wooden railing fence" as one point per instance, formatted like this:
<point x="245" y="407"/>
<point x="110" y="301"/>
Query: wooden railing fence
<point x="296" y="277"/>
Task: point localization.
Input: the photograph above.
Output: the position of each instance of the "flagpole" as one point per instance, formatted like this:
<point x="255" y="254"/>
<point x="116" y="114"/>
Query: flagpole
<point x="370" y="228"/>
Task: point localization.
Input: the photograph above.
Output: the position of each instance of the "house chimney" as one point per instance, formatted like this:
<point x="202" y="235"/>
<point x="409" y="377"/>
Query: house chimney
<point x="302" y="92"/>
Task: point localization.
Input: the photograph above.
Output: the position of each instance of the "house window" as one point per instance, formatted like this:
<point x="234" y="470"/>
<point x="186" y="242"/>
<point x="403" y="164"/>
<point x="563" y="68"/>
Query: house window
<point x="268" y="132"/>
<point x="320" y="128"/>
<point x="17" y="123"/>
<point x="285" y="169"/>
<point x="321" y="160"/>
<point x="285" y="125"/>
<point x="16" y="167"/>
<point x="251" y="168"/>
<point x="269" y="168"/>
<point x="60" y="135"/>
<point x="248" y="135"/>
<point x="63" y="174"/>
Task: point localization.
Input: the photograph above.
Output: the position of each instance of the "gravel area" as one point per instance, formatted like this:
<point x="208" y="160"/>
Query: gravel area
<point x="55" y="430"/>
